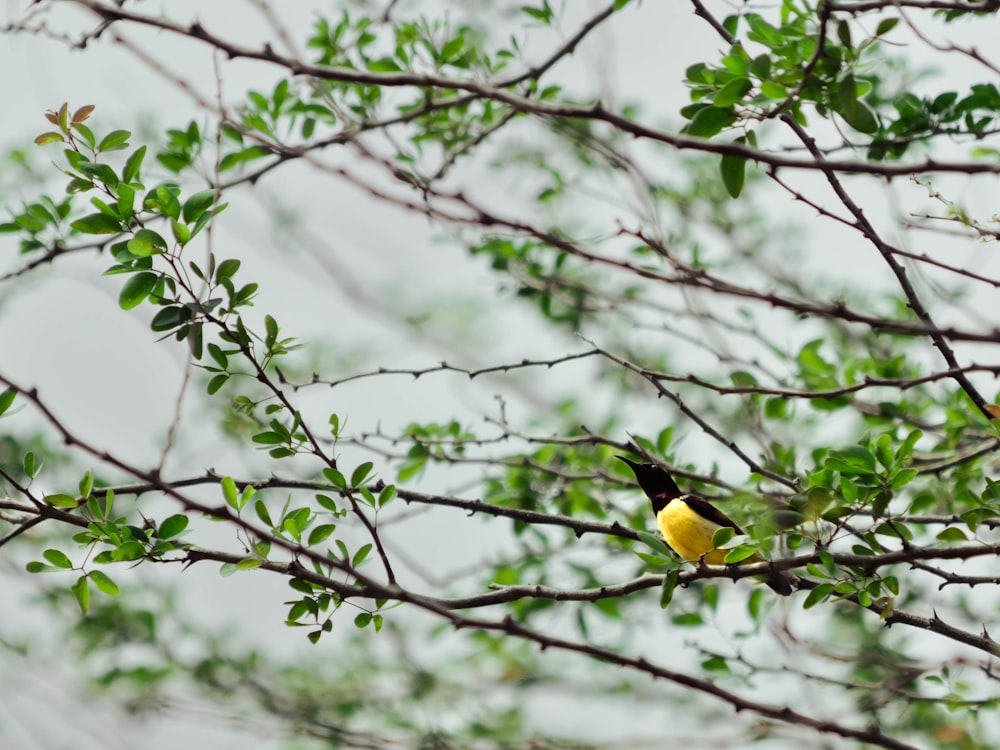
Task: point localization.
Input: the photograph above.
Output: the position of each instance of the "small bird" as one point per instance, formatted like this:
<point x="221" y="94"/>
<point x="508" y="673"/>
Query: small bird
<point x="688" y="522"/>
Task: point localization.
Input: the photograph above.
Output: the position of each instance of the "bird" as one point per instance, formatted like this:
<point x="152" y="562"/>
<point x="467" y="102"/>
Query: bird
<point x="688" y="522"/>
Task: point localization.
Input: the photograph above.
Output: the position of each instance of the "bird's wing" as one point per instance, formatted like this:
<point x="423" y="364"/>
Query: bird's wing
<point x="706" y="510"/>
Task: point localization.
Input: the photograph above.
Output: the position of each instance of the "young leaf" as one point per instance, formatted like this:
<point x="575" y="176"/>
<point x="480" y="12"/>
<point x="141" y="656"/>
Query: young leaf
<point x="86" y="485"/>
<point x="739" y="554"/>
<point x="230" y="493"/>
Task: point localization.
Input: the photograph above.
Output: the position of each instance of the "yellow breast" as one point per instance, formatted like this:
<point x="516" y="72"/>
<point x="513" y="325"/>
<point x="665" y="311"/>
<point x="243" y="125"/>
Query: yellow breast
<point x="690" y="535"/>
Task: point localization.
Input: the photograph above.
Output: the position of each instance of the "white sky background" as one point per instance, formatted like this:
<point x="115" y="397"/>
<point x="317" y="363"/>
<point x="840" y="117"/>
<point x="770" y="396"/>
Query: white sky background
<point x="59" y="336"/>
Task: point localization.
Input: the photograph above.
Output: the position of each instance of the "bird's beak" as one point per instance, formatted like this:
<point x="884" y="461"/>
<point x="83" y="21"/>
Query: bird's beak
<point x="632" y="464"/>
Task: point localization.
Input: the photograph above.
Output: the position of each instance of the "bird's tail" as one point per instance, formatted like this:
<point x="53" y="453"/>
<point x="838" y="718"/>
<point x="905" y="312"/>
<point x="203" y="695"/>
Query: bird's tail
<point x="782" y="583"/>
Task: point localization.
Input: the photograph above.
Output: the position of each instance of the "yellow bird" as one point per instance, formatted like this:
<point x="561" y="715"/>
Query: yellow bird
<point x="689" y="523"/>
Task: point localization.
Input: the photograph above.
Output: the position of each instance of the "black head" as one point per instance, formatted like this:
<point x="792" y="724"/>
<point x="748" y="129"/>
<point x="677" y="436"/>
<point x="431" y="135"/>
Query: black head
<point x="658" y="485"/>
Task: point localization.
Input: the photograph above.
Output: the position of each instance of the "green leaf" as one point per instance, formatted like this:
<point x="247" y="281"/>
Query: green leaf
<point x="328" y="502"/>
<point x="136" y="289"/>
<point x="128" y="551"/>
<point x="230" y="493"/>
<point x="145" y="243"/>
<point x="59" y="500"/>
<point x="248" y="154"/>
<point x="39" y="567"/>
<point x="710" y="121"/>
<point x="173" y="526"/>
<point x="739" y="554"/>
<point x="906" y="449"/>
<point x="321" y="533"/>
<point x="195" y="340"/>
<point x="260" y="508"/>
<point x="732" y="93"/>
<point x="362" y="620"/>
<point x="952" y="534"/>
<point x="855" y="112"/>
<point x="198" y="204"/>
<point x="114" y="141"/>
<point x="655" y="542"/>
<point x="218" y="355"/>
<point x="734" y="170"/>
<point x="215" y="385"/>
<point x="227" y="269"/>
<point x="722" y="535"/>
<point x="86" y="485"/>
<point x="360" y="555"/>
<point x="81" y="589"/>
<point x="668" y="587"/>
<point x="881" y="503"/>
<point x="133" y="165"/>
<point x="716" y="664"/>
<point x="267" y="438"/>
<point x="844" y="34"/>
<point x="885" y="26"/>
<point x="57" y="558"/>
<point x="334" y="477"/>
<point x="817" y="595"/>
<point x="883" y="451"/>
<point x="387" y="495"/>
<point x="170" y="317"/>
<point x="359" y="474"/>
<point x="688" y="619"/>
<point x="773" y="90"/>
<point x="6" y="399"/>
<point x="97" y="224"/>
<point x="126" y="202"/>
<point x="247" y="495"/>
<point x="103" y="583"/>
<point x="452" y="49"/>
<point x="181" y="232"/>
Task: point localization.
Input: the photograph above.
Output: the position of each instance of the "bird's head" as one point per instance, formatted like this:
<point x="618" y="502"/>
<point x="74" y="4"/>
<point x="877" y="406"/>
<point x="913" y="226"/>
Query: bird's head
<point x="658" y="485"/>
